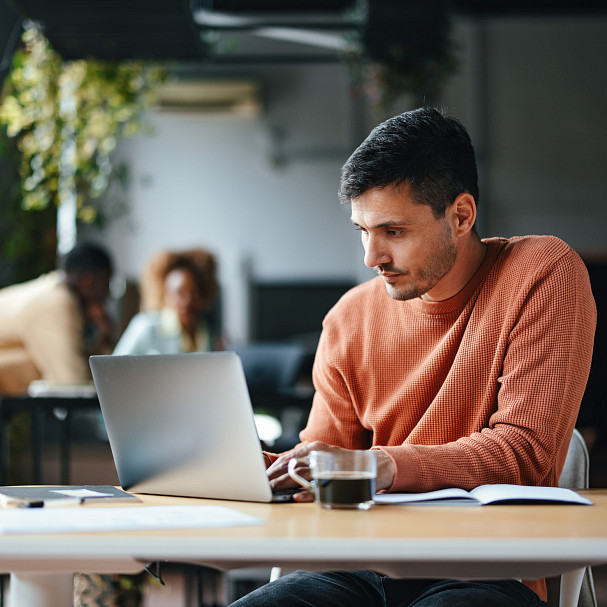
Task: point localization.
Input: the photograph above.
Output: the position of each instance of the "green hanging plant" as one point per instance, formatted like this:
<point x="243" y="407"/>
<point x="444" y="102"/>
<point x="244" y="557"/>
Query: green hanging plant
<point x="66" y="118"/>
<point x="402" y="50"/>
<point x="28" y="240"/>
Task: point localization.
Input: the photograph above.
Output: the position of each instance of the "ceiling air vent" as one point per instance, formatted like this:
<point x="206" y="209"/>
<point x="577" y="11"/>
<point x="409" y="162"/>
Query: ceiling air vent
<point x="241" y="97"/>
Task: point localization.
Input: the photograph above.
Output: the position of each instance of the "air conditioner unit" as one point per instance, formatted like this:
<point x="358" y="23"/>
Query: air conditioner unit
<point x="216" y="96"/>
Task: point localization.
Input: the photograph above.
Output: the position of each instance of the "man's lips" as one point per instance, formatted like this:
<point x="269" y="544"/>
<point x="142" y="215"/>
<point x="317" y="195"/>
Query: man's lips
<point x="389" y="276"/>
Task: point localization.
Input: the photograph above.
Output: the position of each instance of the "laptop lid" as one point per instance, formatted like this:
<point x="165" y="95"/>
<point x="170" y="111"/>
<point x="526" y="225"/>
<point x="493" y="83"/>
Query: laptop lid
<point x="181" y="424"/>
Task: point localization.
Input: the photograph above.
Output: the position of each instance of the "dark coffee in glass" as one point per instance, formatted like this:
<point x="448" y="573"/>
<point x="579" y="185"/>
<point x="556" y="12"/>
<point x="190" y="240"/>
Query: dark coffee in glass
<point x="340" y="478"/>
<point x="345" y="489"/>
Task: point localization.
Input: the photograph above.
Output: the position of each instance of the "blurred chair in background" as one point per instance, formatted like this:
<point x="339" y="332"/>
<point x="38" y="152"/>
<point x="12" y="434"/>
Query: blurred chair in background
<point x="280" y="399"/>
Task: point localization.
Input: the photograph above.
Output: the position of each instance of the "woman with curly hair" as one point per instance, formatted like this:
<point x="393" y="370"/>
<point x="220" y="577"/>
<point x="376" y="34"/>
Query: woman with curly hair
<point x="178" y="290"/>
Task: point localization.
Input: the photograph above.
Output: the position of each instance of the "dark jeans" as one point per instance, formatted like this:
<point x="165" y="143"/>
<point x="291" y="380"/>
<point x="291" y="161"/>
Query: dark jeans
<point x="369" y="589"/>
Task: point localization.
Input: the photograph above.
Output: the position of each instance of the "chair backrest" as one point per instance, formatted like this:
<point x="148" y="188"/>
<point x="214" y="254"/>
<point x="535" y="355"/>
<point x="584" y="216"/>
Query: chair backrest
<point x="575" y="475"/>
<point x="270" y="366"/>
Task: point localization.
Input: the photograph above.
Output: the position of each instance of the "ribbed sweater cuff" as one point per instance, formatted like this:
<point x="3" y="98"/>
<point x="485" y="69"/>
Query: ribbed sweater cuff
<point x="405" y="476"/>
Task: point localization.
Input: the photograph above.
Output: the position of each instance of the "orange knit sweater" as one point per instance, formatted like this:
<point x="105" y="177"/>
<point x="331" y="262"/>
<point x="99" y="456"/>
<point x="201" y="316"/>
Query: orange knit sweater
<point x="482" y="388"/>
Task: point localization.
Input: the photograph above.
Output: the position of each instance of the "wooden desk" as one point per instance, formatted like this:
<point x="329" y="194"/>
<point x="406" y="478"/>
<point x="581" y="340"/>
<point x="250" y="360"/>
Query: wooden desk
<point x="407" y="541"/>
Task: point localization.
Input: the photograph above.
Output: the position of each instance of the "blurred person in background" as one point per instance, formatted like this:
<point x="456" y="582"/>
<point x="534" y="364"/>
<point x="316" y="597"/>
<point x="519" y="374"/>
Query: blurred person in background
<point x="178" y="291"/>
<point x="50" y="325"/>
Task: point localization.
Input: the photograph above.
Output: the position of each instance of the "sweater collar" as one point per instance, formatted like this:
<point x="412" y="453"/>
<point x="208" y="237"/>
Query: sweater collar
<point x="459" y="300"/>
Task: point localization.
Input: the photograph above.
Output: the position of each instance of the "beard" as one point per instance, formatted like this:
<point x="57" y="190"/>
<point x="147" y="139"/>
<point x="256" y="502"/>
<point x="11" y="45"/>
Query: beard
<point x="439" y="261"/>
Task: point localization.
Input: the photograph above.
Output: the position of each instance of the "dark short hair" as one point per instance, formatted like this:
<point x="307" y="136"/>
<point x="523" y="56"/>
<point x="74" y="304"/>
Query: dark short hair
<point x="423" y="148"/>
<point x="87" y="257"/>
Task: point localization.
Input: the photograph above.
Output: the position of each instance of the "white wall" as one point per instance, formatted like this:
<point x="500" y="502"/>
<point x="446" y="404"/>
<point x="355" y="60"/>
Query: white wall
<point x="532" y="92"/>
<point x="212" y="181"/>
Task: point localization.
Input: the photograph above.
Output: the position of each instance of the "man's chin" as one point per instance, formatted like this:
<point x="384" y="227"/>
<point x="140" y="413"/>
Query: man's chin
<point x="401" y="294"/>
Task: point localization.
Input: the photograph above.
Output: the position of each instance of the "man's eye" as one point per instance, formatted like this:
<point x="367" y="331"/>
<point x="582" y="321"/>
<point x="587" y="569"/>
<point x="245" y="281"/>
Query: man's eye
<point x="394" y="232"/>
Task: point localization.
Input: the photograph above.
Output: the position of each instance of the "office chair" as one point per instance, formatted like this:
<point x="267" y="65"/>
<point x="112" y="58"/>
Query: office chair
<point x="272" y="370"/>
<point x="270" y="366"/>
<point x="575" y="475"/>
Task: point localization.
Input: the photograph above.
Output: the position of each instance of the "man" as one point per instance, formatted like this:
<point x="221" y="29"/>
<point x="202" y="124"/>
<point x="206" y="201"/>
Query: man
<point x="463" y="363"/>
<point x="45" y="322"/>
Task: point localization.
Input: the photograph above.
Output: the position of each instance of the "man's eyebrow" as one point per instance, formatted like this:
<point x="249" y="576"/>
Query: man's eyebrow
<point x="395" y="223"/>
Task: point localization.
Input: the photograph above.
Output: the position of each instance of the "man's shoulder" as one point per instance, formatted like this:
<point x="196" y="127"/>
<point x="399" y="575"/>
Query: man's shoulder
<point x="532" y="253"/>
<point x="522" y="261"/>
<point x="547" y="247"/>
<point x="46" y="290"/>
<point x="56" y="290"/>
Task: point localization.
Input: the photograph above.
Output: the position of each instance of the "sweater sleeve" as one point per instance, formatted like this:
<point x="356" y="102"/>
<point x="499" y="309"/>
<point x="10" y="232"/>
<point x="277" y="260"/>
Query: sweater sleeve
<point x="333" y="418"/>
<point x="544" y="374"/>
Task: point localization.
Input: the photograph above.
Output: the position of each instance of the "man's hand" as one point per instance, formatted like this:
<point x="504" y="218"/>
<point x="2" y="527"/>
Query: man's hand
<point x="96" y="314"/>
<point x="280" y="479"/>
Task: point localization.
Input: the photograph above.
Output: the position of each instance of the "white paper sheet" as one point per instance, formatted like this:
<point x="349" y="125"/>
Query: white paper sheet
<point x="86" y="519"/>
<point x="81" y="493"/>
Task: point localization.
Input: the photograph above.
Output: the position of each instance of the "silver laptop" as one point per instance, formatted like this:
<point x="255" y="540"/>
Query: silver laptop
<point x="183" y="425"/>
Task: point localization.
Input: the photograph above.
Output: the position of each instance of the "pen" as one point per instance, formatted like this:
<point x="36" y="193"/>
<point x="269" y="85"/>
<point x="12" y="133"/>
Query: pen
<point x="52" y="503"/>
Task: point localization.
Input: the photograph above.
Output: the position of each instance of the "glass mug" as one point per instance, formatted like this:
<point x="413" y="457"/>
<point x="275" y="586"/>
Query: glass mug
<point x="340" y="479"/>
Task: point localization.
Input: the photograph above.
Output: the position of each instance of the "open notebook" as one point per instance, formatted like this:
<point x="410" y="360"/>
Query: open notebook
<point x="486" y="495"/>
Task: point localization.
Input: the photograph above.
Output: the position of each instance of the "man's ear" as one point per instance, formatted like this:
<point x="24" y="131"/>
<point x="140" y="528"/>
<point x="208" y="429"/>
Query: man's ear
<point x="464" y="213"/>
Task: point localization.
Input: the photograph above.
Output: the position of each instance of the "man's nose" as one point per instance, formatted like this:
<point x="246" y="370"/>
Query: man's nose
<point x="376" y="253"/>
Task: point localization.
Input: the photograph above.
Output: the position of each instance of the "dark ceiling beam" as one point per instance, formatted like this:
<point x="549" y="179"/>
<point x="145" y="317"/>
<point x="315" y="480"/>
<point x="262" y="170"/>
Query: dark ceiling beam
<point x="328" y="26"/>
<point x="168" y="29"/>
<point x="273" y="59"/>
<point x="528" y="8"/>
<point x="116" y="30"/>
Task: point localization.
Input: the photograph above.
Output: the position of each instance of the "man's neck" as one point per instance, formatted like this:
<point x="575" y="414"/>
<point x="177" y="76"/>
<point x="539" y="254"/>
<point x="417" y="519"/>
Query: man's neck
<point x="470" y="255"/>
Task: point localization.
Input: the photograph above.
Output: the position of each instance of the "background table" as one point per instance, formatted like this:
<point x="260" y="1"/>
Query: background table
<point x="40" y="407"/>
